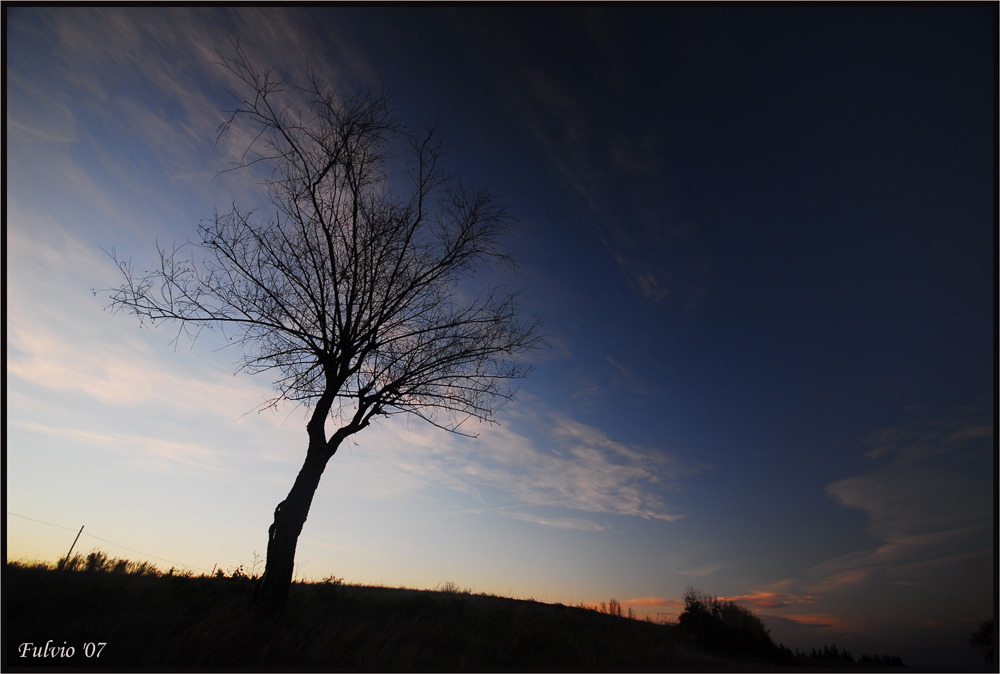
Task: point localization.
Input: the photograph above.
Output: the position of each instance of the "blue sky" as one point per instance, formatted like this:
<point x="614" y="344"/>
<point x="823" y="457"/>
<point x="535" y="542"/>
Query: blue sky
<point x="761" y="241"/>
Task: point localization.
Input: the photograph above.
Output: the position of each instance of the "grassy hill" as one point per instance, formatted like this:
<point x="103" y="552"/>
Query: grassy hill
<point x="147" y="619"/>
<point x="95" y="612"/>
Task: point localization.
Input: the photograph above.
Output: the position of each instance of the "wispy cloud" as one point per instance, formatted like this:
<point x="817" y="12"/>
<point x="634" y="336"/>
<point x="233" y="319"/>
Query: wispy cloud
<point x="913" y="508"/>
<point x="550" y="462"/>
<point x="582" y="153"/>
<point x="928" y="515"/>
<point x="808" y="630"/>
<point x="626" y="371"/>
<point x="37" y="112"/>
<point x="829" y="620"/>
<point x="703" y="571"/>
<point x="56" y="360"/>
<point x="842" y="573"/>
<point x="151" y="454"/>
<point x="613" y="168"/>
<point x="583" y="469"/>
<point x="122" y="65"/>
<point x="930" y="520"/>
<point x="761" y="599"/>
<point x="59" y="338"/>
<point x="558" y="522"/>
<point x="773" y="596"/>
<point x="960" y="429"/>
<point x="904" y="560"/>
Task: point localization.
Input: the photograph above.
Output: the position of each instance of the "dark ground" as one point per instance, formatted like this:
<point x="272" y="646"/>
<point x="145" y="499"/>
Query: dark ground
<point x="199" y="622"/>
<point x="170" y="622"/>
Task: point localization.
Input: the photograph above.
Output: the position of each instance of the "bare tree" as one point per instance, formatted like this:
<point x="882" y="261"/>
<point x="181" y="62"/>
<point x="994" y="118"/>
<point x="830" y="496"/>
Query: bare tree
<point x="350" y="295"/>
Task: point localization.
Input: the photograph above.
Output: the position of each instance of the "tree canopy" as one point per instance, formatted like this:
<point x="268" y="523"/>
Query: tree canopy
<point x="351" y="293"/>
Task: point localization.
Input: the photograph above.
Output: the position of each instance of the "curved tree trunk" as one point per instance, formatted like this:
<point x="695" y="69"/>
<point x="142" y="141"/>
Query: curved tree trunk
<point x="271" y="591"/>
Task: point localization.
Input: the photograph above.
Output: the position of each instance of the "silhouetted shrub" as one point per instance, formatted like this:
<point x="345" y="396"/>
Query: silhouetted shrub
<point x="612" y="607"/>
<point x="725" y="626"/>
<point x="449" y="586"/>
<point x="983" y="640"/>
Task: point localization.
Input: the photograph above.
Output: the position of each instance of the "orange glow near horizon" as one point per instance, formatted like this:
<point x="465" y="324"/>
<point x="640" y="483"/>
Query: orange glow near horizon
<point x="829" y="620"/>
<point x="653" y="601"/>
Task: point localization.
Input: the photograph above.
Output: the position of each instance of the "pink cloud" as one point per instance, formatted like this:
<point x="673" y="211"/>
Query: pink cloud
<point x="769" y="599"/>
<point x="829" y="620"/>
<point x="761" y="599"/>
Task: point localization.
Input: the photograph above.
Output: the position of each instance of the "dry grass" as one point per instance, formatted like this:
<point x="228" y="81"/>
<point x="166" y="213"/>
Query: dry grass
<point x="149" y="618"/>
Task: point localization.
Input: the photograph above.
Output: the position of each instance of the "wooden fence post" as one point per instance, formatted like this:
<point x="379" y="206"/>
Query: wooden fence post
<point x="73" y="546"/>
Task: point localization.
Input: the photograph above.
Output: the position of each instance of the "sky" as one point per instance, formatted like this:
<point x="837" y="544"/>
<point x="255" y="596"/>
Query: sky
<point x="760" y="240"/>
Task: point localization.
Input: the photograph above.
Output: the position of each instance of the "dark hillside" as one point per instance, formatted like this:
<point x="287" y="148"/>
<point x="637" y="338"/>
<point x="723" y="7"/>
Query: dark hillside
<point x="169" y="621"/>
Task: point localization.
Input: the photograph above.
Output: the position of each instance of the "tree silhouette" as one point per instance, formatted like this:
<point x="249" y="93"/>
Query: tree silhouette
<point x="352" y="294"/>
<point x="982" y="640"/>
<point x="723" y="626"/>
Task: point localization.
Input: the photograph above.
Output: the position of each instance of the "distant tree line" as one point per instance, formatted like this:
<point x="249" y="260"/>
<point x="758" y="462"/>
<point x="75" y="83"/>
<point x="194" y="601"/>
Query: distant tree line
<point x="833" y="654"/>
<point x="728" y="629"/>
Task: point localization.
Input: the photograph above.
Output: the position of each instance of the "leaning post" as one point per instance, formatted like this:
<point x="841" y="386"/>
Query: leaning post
<point x="73" y="546"/>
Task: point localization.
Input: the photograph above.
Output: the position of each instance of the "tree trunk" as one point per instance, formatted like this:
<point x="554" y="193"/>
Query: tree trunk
<point x="271" y="591"/>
